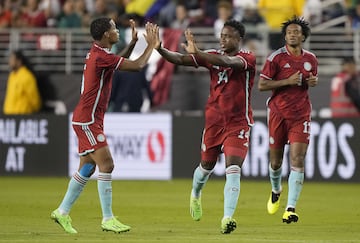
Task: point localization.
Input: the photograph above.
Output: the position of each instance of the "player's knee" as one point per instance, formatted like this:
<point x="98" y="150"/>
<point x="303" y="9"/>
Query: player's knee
<point x="208" y="165"/>
<point x="298" y="160"/>
<point x="275" y="164"/>
<point x="87" y="170"/>
<point x="107" y="167"/>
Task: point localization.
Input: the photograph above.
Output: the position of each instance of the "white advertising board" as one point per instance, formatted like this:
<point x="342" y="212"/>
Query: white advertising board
<point x="141" y="145"/>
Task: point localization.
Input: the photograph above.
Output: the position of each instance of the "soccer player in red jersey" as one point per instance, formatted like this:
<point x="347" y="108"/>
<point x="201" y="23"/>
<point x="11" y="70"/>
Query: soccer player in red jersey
<point x="88" y="117"/>
<point x="228" y="113"/>
<point x="289" y="72"/>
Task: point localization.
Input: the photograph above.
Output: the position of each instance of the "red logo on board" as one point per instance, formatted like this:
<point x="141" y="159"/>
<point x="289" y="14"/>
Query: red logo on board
<point x="156" y="146"/>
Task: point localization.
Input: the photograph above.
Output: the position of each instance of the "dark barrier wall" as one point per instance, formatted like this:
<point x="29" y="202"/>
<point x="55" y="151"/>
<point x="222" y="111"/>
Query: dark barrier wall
<point x="34" y="145"/>
<point x="38" y="145"/>
<point x="332" y="154"/>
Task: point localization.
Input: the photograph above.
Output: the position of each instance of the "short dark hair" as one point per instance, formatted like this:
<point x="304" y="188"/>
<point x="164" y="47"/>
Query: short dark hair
<point x="99" y="26"/>
<point x="299" y="21"/>
<point x="19" y="55"/>
<point x="239" y="27"/>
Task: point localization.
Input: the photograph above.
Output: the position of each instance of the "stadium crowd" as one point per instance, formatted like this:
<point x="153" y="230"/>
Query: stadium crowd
<point x="167" y="13"/>
<point x="175" y="14"/>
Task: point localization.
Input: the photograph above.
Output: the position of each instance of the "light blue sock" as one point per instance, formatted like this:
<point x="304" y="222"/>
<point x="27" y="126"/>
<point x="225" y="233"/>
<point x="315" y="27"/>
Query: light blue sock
<point x="75" y="187"/>
<point x="275" y="179"/>
<point x="105" y="194"/>
<point x="200" y="177"/>
<point x="295" y="182"/>
<point x="231" y="190"/>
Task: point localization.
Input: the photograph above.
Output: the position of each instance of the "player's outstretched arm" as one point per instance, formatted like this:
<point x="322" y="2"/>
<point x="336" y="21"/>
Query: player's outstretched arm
<point x="173" y="57"/>
<point x="152" y="30"/>
<point x="126" y="52"/>
<point x="219" y="60"/>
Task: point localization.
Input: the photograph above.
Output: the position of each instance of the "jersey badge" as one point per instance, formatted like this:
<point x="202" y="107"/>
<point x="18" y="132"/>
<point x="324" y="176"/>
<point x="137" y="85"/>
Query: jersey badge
<point x="100" y="138"/>
<point x="307" y="66"/>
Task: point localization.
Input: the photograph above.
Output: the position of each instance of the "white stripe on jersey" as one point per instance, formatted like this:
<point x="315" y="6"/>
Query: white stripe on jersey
<point x="95" y="103"/>
<point x="275" y="53"/>
<point x="97" y="96"/>
<point x="244" y="61"/>
<point x="247" y="95"/>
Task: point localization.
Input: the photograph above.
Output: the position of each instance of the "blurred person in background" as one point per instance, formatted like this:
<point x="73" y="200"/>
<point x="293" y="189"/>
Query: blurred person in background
<point x="289" y="72"/>
<point x="252" y="20"/>
<point x="68" y="17"/>
<point x="239" y="8"/>
<point x="129" y="92"/>
<point x="5" y="14"/>
<point x="334" y="11"/>
<point x="228" y="113"/>
<point x="224" y="13"/>
<point x="313" y="12"/>
<point x="88" y="120"/>
<point x="83" y="11"/>
<point x="182" y="20"/>
<point x="167" y="13"/>
<point x="30" y="15"/>
<point x="100" y="9"/>
<point x="129" y="89"/>
<point x="345" y="90"/>
<point x="52" y="9"/>
<point x="22" y="95"/>
<point x="354" y="16"/>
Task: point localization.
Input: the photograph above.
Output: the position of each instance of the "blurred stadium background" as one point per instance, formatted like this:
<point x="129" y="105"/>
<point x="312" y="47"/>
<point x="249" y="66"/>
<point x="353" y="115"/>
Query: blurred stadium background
<point x="38" y="152"/>
<point x="172" y="138"/>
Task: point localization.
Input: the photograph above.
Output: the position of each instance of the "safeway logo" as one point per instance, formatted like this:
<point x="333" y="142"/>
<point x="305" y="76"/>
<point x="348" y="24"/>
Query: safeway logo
<point x="156" y="146"/>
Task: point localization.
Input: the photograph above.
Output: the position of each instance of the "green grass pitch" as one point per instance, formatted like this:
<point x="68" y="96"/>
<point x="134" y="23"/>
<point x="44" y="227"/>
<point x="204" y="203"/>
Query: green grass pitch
<point x="158" y="212"/>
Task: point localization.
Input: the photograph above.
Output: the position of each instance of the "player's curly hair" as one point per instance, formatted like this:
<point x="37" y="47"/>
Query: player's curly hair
<point x="99" y="26"/>
<point x="299" y="21"/>
<point x="236" y="25"/>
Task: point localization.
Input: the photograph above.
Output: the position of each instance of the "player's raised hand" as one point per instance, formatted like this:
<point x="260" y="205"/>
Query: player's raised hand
<point x="157" y="41"/>
<point x="190" y="47"/>
<point x="295" y="79"/>
<point x="134" y="32"/>
<point x="312" y="80"/>
<point x="152" y="34"/>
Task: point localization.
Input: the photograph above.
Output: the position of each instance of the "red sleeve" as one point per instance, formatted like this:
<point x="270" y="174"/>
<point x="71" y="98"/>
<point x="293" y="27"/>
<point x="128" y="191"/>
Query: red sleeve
<point x="249" y="60"/>
<point x="269" y="70"/>
<point x="110" y="60"/>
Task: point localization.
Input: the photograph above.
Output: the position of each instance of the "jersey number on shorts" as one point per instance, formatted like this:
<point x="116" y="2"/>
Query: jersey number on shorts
<point x="306" y="127"/>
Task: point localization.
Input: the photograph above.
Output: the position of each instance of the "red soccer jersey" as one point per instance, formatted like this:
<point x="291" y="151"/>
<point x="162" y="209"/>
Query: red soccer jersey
<point x="230" y="90"/>
<point x="99" y="67"/>
<point x="290" y="101"/>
